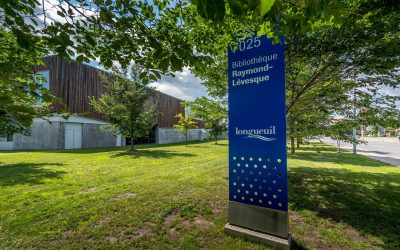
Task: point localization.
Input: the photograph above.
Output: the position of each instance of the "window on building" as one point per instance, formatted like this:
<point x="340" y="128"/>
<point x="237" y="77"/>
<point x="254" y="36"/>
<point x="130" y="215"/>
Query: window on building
<point x="10" y="138"/>
<point x="43" y="77"/>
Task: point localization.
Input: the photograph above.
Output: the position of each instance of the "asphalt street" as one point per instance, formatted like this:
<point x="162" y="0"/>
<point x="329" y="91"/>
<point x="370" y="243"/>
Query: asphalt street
<point x="382" y="149"/>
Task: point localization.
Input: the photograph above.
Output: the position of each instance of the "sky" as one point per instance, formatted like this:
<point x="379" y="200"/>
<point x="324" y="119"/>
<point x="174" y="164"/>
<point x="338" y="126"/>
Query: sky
<point x="184" y="85"/>
<point x="392" y="92"/>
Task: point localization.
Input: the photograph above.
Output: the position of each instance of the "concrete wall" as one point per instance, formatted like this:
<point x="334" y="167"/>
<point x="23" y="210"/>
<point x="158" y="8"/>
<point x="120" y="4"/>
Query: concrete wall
<point x="6" y="145"/>
<point x="121" y="141"/>
<point x="224" y="136"/>
<point x="93" y="137"/>
<point x="44" y="135"/>
<point x="172" y="135"/>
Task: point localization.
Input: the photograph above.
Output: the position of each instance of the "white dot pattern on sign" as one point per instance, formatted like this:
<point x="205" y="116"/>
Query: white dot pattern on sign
<point x="268" y="189"/>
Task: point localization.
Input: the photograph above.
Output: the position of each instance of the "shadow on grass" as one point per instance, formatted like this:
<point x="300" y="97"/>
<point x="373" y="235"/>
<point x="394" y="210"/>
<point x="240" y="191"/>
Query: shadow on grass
<point x="297" y="246"/>
<point x="369" y="202"/>
<point x="152" y="154"/>
<point x="27" y="173"/>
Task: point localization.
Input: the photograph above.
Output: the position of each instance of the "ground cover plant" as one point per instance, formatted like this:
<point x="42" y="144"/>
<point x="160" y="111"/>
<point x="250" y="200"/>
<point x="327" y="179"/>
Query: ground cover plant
<point x="165" y="197"/>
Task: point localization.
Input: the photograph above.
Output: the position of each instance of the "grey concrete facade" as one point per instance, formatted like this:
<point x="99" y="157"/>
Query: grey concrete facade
<point x="47" y="135"/>
<point x="44" y="135"/>
<point x="172" y="135"/>
<point x="93" y="136"/>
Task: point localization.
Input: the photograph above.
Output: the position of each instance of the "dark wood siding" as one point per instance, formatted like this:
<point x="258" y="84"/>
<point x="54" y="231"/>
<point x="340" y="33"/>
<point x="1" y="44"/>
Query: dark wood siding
<point x="168" y="107"/>
<point x="73" y="83"/>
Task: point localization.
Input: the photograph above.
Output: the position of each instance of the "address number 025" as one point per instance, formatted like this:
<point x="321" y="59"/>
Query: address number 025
<point x="250" y="43"/>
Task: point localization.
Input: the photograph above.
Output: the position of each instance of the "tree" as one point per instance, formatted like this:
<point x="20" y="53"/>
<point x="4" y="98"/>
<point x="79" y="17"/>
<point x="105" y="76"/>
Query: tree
<point x="126" y="105"/>
<point x="171" y="31"/>
<point x="22" y="97"/>
<point x="324" y="72"/>
<point x="213" y="112"/>
<point x="325" y="64"/>
<point x="184" y="124"/>
<point x="163" y="36"/>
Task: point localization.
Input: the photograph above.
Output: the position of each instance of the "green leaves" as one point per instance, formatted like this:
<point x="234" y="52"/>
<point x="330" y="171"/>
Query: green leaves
<point x="211" y="9"/>
<point x="79" y="59"/>
<point x="19" y="92"/>
<point x="241" y="7"/>
<point x="5" y="100"/>
<point x="61" y="14"/>
<point x="176" y="63"/>
<point x="265" y="6"/>
<point x="215" y="9"/>
<point x="126" y="104"/>
<point x="213" y="112"/>
<point x="24" y="40"/>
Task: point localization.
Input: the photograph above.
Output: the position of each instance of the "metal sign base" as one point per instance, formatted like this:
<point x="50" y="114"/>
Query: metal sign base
<point x="255" y="236"/>
<point x="259" y="224"/>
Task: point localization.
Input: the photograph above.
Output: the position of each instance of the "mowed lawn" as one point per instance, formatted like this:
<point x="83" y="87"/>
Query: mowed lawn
<point x="168" y="197"/>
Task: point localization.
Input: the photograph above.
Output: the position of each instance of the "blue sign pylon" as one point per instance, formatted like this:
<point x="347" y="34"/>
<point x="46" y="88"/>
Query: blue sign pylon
<point x="258" y="195"/>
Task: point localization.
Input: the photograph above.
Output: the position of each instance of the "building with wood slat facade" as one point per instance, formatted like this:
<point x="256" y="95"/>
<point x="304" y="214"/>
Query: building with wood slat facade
<point x="74" y="83"/>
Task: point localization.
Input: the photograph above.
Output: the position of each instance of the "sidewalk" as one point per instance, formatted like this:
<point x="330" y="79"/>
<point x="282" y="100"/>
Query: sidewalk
<point x="382" y="149"/>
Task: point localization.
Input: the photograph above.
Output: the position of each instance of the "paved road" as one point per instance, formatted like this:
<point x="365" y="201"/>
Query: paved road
<point x="382" y="149"/>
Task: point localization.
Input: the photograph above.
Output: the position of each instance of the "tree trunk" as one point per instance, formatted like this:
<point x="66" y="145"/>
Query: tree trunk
<point x="292" y="145"/>
<point x="216" y="139"/>
<point x="298" y="141"/>
<point x="132" y="145"/>
<point x="186" y="136"/>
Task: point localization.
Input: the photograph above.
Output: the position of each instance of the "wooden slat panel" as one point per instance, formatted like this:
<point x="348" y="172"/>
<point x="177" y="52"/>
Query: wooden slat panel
<point x="74" y="82"/>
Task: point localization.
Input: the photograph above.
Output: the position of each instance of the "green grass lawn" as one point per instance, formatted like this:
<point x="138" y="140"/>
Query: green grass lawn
<point x="166" y="197"/>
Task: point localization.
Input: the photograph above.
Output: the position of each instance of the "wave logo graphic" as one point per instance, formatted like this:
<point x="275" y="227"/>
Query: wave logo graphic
<point x="260" y="137"/>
